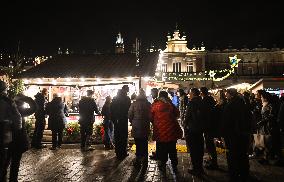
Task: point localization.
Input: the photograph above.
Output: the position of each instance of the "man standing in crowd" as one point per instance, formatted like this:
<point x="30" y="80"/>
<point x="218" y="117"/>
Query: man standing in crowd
<point x="207" y="112"/>
<point x="10" y="124"/>
<point x="236" y="130"/>
<point x="87" y="107"/>
<point x="41" y="101"/>
<point x="183" y="101"/>
<point x="193" y="128"/>
<point x="119" y="115"/>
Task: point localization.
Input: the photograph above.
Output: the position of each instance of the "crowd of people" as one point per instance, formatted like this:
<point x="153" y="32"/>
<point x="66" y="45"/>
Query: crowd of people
<point x="250" y="126"/>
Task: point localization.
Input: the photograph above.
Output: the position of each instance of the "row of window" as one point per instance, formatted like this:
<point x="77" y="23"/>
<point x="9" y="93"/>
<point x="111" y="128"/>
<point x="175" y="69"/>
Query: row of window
<point x="177" y="67"/>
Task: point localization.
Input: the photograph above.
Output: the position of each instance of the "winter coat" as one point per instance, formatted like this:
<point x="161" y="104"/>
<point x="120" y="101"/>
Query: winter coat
<point x="193" y="120"/>
<point x="106" y="112"/>
<point x="267" y="123"/>
<point x="119" y="107"/>
<point x="280" y="118"/>
<point x="139" y="115"/>
<point x="10" y="120"/>
<point x="41" y="102"/>
<point x="21" y="138"/>
<point x="57" y="112"/>
<point x="87" y="107"/>
<point x="235" y="121"/>
<point x="165" y="125"/>
<point x="207" y="113"/>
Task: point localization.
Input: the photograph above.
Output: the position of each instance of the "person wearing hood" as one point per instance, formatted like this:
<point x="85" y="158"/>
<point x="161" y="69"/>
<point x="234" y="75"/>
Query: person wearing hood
<point x="139" y="117"/>
<point x="166" y="130"/>
<point x="41" y="101"/>
<point x="57" y="112"/>
<point x="10" y="124"/>
<point x="87" y="107"/>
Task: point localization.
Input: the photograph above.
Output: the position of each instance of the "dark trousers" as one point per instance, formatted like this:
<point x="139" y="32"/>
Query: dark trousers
<point x="57" y="137"/>
<point x="3" y="159"/>
<point x="121" y="137"/>
<point x="237" y="157"/>
<point x="210" y="147"/>
<point x="141" y="147"/>
<point x="86" y="130"/>
<point x="195" y="142"/>
<point x="165" y="149"/>
<point x="38" y="132"/>
<point x="12" y="158"/>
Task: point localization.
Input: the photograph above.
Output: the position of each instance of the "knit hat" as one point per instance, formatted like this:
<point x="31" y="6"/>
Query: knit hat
<point x="3" y="86"/>
<point x="232" y="91"/>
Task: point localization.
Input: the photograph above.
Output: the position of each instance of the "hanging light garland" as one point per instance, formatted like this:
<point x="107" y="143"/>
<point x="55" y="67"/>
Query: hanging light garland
<point x="214" y="75"/>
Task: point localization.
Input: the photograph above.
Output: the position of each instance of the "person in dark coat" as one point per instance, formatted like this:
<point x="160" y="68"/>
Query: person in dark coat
<point x="10" y="125"/>
<point x="41" y="101"/>
<point x="20" y="142"/>
<point x="183" y="101"/>
<point x="236" y="130"/>
<point x="207" y="112"/>
<point x="194" y="128"/>
<point x="108" y="124"/>
<point x="87" y="107"/>
<point x="57" y="112"/>
<point x="119" y="114"/>
<point x="139" y="117"/>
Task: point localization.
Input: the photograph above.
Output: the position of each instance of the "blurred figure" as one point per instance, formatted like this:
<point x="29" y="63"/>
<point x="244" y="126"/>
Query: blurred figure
<point x="87" y="107"/>
<point x="119" y="115"/>
<point x="139" y="117"/>
<point x="108" y="124"/>
<point x="183" y="101"/>
<point x="57" y="112"/>
<point x="41" y="101"/>
<point x="10" y="126"/>
<point x="166" y="130"/>
<point x="236" y="130"/>
<point x="208" y="113"/>
<point x="194" y="128"/>
<point x="154" y="94"/>
<point x="20" y="142"/>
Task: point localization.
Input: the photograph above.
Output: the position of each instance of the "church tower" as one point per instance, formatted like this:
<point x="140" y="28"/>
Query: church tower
<point x="119" y="45"/>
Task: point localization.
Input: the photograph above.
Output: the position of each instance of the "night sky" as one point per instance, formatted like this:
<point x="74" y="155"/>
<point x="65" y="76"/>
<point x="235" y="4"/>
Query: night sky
<point x="43" y="26"/>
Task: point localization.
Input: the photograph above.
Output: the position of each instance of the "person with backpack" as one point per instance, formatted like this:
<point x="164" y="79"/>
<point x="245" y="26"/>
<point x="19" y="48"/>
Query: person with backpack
<point x="10" y="125"/>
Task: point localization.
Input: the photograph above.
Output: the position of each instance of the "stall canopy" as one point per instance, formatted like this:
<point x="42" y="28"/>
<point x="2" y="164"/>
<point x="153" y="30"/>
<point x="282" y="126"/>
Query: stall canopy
<point x="269" y="84"/>
<point x="88" y="66"/>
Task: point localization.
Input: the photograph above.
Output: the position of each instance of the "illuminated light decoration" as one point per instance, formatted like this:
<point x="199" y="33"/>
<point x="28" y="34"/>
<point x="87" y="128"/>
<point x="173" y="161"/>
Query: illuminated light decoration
<point x="26" y="81"/>
<point x="68" y="79"/>
<point x="114" y="80"/>
<point x="129" y="78"/>
<point x="146" y="78"/>
<point x="98" y="80"/>
<point x="214" y="75"/>
<point x="54" y="82"/>
<point x="82" y="79"/>
<point x="39" y="81"/>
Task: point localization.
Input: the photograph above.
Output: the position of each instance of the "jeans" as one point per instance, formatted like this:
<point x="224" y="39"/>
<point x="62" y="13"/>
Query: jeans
<point x="141" y="147"/>
<point x="108" y="135"/>
<point x="86" y="131"/>
<point x="121" y="137"/>
<point x="195" y="142"/>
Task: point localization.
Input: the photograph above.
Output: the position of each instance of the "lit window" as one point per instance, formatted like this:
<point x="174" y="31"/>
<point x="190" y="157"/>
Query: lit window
<point x="189" y="67"/>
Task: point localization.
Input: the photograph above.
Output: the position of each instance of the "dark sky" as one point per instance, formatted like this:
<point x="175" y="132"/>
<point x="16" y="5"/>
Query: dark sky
<point x="43" y="26"/>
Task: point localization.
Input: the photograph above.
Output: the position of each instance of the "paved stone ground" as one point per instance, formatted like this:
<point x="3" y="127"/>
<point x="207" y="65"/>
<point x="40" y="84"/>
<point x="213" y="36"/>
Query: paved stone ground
<point x="71" y="164"/>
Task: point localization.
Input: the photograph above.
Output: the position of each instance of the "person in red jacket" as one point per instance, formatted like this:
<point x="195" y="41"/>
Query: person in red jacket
<point x="166" y="130"/>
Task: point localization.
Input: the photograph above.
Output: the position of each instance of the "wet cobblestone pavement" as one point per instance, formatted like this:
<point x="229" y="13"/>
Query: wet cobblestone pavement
<point x="71" y="164"/>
